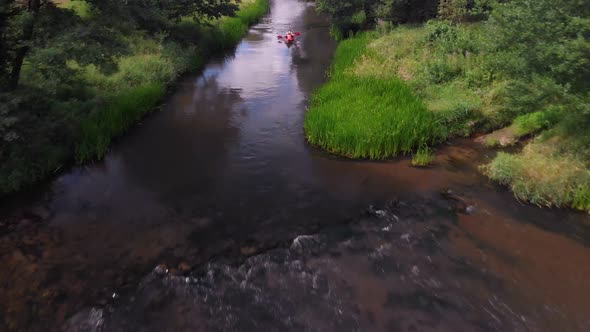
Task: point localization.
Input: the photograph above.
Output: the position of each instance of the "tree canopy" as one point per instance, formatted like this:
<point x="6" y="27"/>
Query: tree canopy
<point x="27" y="28"/>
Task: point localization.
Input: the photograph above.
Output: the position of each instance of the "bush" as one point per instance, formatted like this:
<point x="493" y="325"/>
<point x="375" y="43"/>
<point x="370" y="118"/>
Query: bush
<point x="445" y="37"/>
<point x="453" y="10"/>
<point x="534" y="122"/>
<point x="543" y="37"/>
<point x="441" y="32"/>
<point x="459" y="120"/>
<point x="441" y="70"/>
<point x="404" y="11"/>
<point x="34" y="139"/>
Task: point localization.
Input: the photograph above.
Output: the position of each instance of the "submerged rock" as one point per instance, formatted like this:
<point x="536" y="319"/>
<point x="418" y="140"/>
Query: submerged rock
<point x="41" y="212"/>
<point x="247" y="251"/>
<point x="161" y="269"/>
<point x="90" y="320"/>
<point x="458" y="204"/>
<point x="405" y="237"/>
<point x="184" y="267"/>
<point x="25" y="223"/>
<point x="305" y="244"/>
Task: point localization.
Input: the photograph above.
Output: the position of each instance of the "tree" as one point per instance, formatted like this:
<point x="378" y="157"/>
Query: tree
<point x="343" y="12"/>
<point x="544" y="37"/>
<point x="150" y="13"/>
<point x="405" y="11"/>
<point x="29" y="13"/>
<point x="8" y="11"/>
<point x="51" y="35"/>
<point x="453" y="10"/>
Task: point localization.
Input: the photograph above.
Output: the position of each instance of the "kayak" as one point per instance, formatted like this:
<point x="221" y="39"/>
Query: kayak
<point x="289" y="38"/>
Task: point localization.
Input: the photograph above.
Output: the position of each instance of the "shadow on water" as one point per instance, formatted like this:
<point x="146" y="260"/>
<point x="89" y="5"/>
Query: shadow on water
<point x="223" y="173"/>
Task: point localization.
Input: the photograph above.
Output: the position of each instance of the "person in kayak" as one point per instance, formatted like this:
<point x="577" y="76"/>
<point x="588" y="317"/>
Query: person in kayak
<point x="290" y="37"/>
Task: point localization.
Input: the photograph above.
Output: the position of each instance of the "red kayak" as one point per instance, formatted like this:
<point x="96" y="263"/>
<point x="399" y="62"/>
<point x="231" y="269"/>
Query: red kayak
<point x="289" y="38"/>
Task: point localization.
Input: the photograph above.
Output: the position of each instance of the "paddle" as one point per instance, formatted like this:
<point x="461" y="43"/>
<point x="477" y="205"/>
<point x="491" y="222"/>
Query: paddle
<point x="295" y="33"/>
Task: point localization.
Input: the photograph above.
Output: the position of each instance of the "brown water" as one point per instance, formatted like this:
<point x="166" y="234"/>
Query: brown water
<point x="223" y="172"/>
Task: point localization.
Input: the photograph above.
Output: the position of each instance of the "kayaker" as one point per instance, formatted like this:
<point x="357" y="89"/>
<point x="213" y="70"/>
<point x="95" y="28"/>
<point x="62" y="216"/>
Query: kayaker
<point x="290" y="36"/>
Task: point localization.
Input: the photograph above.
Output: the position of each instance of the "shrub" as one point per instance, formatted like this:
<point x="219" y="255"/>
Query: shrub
<point x="534" y="122"/>
<point x="453" y="10"/>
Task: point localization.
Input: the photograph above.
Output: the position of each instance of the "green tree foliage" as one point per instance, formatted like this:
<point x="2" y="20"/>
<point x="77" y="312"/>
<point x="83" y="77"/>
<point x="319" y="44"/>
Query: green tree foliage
<point x="458" y="11"/>
<point x="44" y="36"/>
<point x="544" y="37"/>
<point x="349" y="14"/>
<point x="51" y="34"/>
<point x="453" y="10"/>
<point x="407" y="11"/>
<point x="358" y="14"/>
<point x="8" y="12"/>
<point x="17" y="32"/>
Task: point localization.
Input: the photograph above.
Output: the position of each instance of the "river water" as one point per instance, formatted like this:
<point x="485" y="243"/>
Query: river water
<point x="251" y="228"/>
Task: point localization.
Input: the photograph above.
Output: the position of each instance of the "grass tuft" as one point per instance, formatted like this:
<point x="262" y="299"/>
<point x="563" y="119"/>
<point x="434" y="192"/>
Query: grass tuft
<point x="422" y="157"/>
<point x="543" y="175"/>
<point x="582" y="198"/>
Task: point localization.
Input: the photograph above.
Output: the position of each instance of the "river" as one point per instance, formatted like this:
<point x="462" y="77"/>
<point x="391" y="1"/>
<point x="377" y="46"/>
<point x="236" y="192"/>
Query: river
<point x="214" y="214"/>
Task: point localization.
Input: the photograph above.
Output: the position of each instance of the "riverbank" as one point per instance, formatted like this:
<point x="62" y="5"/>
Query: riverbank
<point x="404" y="90"/>
<point x="51" y="122"/>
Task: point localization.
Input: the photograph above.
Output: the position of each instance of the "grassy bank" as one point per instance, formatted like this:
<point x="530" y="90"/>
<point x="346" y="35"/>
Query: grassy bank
<point x="543" y="175"/>
<point x="361" y="115"/>
<point x="397" y="90"/>
<point x="72" y="113"/>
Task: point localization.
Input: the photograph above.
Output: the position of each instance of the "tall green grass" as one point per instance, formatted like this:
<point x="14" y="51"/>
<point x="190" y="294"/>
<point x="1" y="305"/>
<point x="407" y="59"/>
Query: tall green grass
<point x="227" y="31"/>
<point x="582" y="198"/>
<point x="123" y="110"/>
<point x="543" y="175"/>
<point x="422" y="157"/>
<point x="140" y="82"/>
<point x="362" y="116"/>
<point x="251" y="12"/>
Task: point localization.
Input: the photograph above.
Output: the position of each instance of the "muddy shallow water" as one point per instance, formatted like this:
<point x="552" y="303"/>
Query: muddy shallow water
<point x="398" y="269"/>
<point x="223" y="173"/>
